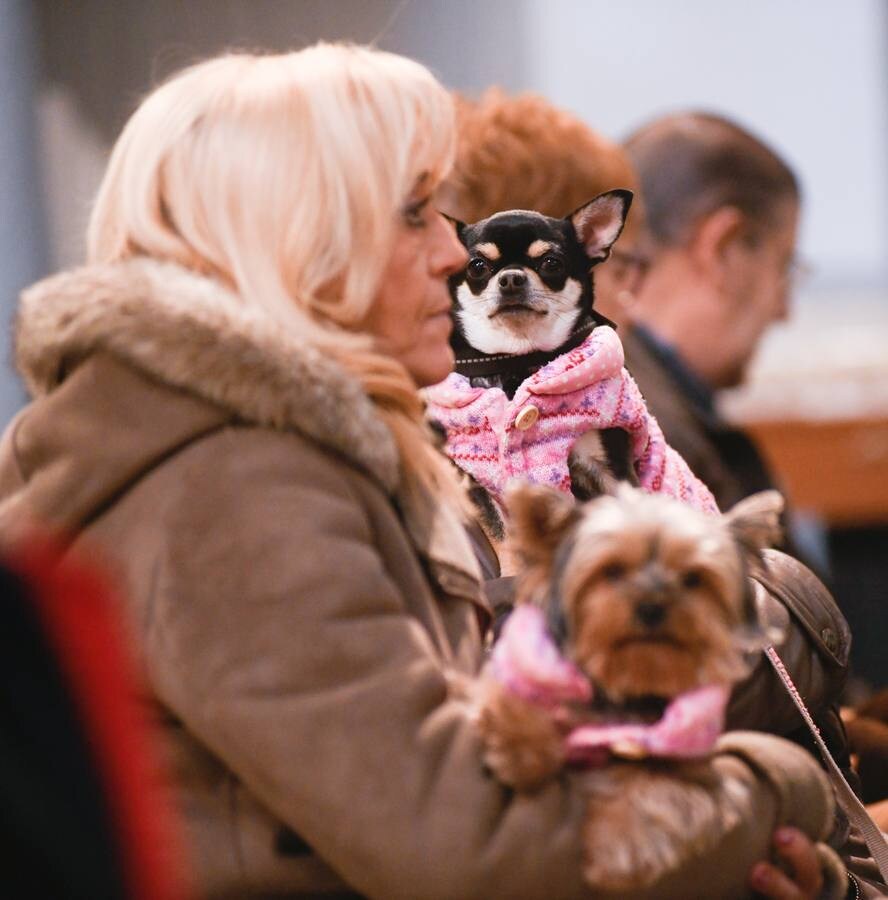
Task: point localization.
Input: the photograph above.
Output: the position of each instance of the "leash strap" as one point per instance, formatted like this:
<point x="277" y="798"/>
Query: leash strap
<point x="848" y="800"/>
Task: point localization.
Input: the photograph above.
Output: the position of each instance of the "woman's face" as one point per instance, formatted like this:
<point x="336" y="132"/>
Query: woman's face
<point x="410" y="316"/>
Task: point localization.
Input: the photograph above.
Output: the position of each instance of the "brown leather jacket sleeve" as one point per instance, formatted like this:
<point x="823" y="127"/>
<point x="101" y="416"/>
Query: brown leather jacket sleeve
<point x="812" y="638"/>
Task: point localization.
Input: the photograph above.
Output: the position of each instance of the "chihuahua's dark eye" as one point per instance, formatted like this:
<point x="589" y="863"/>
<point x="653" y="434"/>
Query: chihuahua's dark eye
<point x="692" y="579"/>
<point x="478" y="268"/>
<point x="552" y="265"/>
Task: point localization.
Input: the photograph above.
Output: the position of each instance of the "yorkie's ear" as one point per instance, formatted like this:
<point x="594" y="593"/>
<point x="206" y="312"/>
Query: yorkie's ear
<point x="755" y="521"/>
<point x="599" y="222"/>
<point x="539" y="517"/>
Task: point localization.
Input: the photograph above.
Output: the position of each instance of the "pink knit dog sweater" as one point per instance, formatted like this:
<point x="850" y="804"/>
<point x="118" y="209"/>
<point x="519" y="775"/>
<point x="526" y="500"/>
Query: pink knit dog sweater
<point x="529" y="437"/>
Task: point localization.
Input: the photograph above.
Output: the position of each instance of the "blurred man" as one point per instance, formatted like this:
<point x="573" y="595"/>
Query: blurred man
<point x="722" y="214"/>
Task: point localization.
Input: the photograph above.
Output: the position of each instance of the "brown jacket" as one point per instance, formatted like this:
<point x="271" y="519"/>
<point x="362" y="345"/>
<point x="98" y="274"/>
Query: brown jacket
<point x="296" y="613"/>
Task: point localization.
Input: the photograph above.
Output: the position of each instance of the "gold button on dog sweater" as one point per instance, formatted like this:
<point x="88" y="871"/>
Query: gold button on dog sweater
<point x="527" y="417"/>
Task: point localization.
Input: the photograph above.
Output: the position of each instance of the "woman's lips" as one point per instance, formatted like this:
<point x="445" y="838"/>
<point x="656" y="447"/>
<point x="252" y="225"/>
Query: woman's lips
<point x="443" y="313"/>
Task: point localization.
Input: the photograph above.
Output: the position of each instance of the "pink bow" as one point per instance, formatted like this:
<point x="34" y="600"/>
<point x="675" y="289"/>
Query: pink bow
<point x="527" y="662"/>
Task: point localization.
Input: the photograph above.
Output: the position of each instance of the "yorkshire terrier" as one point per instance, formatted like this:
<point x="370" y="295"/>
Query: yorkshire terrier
<point x="635" y="618"/>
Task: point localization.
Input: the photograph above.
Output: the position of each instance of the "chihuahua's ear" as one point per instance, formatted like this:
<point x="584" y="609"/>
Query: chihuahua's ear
<point x="459" y="227"/>
<point x="755" y="521"/>
<point x="539" y="518"/>
<point x="599" y="222"/>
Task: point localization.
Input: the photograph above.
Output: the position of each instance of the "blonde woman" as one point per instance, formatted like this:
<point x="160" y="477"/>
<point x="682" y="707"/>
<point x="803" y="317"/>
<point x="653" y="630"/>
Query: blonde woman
<point x="225" y="404"/>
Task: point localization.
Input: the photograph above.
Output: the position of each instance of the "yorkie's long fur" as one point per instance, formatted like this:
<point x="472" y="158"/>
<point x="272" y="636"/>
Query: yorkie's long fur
<point x="649" y="598"/>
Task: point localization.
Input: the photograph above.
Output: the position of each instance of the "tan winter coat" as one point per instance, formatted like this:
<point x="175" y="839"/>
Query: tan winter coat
<point x="296" y="615"/>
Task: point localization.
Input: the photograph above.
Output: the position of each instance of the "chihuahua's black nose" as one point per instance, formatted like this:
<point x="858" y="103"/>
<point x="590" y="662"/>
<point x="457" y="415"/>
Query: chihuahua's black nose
<point x="512" y="282"/>
<point x="650" y="614"/>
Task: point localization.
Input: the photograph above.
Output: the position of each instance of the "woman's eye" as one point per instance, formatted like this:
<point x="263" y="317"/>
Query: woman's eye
<point x="413" y="215"/>
<point x="477" y="268"/>
<point x="551" y="265"/>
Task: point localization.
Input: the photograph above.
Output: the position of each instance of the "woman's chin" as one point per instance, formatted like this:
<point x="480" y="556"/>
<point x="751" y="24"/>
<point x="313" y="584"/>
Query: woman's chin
<point x="429" y="365"/>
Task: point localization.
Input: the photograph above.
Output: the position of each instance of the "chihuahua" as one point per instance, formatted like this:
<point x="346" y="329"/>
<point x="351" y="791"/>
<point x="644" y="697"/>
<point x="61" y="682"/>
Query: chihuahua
<point x="526" y="295"/>
<point x="525" y="298"/>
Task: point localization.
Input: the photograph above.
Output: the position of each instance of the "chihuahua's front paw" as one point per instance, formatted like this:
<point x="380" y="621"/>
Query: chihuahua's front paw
<point x="599" y="460"/>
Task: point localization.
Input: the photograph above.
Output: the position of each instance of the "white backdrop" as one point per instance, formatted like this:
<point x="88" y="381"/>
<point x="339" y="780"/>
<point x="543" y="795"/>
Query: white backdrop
<point x="811" y="77"/>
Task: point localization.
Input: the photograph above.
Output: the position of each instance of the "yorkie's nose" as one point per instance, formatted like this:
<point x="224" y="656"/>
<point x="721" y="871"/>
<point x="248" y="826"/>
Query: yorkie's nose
<point x="650" y="614"/>
<point x="512" y="281"/>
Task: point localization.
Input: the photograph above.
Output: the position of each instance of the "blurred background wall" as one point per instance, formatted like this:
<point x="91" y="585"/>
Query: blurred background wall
<point x="24" y="250"/>
<point x="811" y="78"/>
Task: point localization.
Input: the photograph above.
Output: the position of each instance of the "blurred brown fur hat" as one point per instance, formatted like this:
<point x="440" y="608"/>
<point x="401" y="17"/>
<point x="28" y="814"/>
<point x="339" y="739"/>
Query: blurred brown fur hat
<point x="521" y="152"/>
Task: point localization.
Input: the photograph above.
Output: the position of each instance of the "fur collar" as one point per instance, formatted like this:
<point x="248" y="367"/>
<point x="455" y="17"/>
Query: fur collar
<point x="190" y="332"/>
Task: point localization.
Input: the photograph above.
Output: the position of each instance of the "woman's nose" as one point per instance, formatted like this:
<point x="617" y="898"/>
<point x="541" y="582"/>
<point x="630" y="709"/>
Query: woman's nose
<point x="449" y="255"/>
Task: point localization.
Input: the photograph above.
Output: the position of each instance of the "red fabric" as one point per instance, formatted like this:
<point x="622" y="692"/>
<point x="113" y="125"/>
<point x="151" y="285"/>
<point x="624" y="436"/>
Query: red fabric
<point x="77" y="610"/>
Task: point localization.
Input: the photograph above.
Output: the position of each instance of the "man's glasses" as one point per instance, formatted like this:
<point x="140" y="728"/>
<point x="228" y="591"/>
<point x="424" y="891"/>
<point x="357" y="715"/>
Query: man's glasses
<point x="798" y="272"/>
<point x="631" y="260"/>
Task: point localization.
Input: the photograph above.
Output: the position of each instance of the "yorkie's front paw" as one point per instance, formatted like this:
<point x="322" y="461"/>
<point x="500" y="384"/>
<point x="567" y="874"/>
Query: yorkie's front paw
<point x="523" y="745"/>
<point x="522" y="768"/>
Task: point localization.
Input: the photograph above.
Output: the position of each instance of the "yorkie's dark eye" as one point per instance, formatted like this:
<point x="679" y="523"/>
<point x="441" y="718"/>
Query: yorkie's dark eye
<point x="552" y="265"/>
<point x="692" y="579"/>
<point x="613" y="572"/>
<point x="478" y="268"/>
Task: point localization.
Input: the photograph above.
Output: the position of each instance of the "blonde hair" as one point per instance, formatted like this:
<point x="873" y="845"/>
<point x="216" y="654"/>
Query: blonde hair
<point x="284" y="176"/>
<point x="521" y="152"/>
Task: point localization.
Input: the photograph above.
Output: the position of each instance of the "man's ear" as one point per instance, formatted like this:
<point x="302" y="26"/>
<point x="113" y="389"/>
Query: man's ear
<point x="714" y="238"/>
<point x="539" y="518"/>
<point x="599" y="222"/>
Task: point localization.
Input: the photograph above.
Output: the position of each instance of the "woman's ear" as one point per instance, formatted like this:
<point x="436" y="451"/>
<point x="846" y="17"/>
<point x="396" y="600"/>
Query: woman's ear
<point x="715" y="240"/>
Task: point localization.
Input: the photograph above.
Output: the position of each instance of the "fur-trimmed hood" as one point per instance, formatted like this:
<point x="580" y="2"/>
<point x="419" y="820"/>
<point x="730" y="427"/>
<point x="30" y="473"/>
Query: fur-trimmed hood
<point x="191" y="333"/>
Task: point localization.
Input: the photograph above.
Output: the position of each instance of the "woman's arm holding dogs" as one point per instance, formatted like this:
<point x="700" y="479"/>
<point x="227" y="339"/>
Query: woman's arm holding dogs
<point x="332" y="707"/>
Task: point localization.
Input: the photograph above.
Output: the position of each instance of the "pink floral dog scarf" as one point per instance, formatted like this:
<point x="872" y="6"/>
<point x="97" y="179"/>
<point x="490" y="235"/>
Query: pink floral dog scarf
<point x="527" y="663"/>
